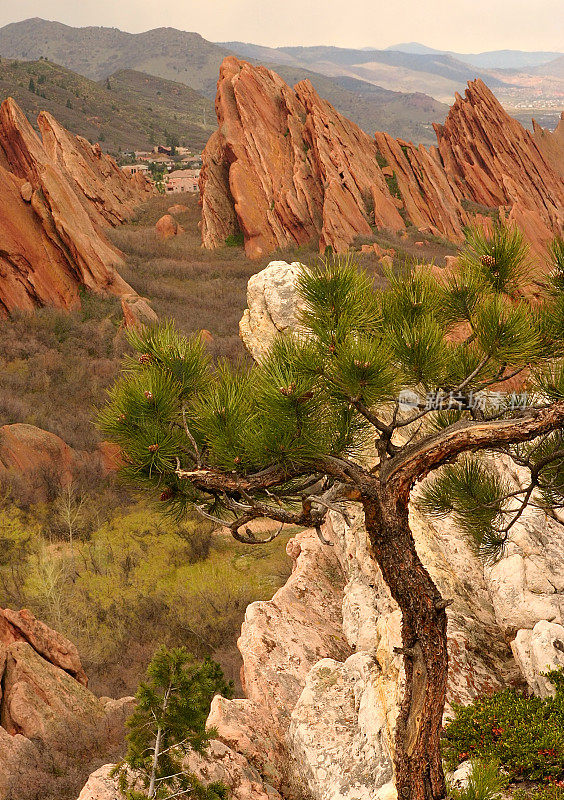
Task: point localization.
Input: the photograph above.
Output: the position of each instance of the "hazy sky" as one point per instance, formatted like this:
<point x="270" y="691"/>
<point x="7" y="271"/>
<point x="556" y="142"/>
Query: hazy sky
<point x="461" y="25"/>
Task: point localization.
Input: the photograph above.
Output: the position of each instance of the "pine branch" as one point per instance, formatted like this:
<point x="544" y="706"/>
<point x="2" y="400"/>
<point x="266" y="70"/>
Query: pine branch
<point x="416" y="461"/>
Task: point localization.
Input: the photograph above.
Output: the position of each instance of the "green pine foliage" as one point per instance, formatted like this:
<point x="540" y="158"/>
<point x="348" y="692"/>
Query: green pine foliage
<point x="485" y="782"/>
<point x="168" y="723"/>
<point x="473" y="493"/>
<point x="525" y="735"/>
<point x="317" y="393"/>
<point x="500" y="258"/>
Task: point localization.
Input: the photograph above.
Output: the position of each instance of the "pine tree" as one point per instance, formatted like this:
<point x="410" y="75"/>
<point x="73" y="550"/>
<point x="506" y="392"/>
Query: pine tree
<point x="375" y="392"/>
<point x="31" y="85"/>
<point x="169" y="721"/>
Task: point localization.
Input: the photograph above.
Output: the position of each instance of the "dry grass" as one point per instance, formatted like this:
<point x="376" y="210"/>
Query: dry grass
<point x="207" y="289"/>
<point x="197" y="288"/>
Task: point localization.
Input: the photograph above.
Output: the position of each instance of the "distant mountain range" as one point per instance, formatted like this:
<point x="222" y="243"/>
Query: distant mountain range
<point x="520" y="79"/>
<point x="401" y="90"/>
<point x="189" y="59"/>
<point x="492" y="59"/>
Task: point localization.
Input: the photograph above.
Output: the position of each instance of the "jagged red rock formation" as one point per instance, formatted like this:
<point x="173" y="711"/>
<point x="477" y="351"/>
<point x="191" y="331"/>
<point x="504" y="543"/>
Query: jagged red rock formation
<point x="56" y="196"/>
<point x="108" y="194"/>
<point x="284" y="168"/>
<point x="430" y="202"/>
<point x="491" y="159"/>
<point x="551" y="144"/>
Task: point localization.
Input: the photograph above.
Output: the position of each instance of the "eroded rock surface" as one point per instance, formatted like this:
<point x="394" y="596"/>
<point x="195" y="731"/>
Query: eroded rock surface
<point x="272" y="306"/>
<point x="47" y="715"/>
<point x="57" y="194"/>
<point x="284" y="168"/>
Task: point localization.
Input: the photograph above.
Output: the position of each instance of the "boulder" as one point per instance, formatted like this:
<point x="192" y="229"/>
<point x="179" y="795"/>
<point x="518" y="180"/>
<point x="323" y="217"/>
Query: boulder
<point x="206" y="336"/>
<point x="26" y="191"/>
<point x="538" y="651"/>
<point x="22" y="626"/>
<point x="272" y="306"/>
<point x="101" y="785"/>
<point x="339" y="730"/>
<point x="137" y="312"/>
<point x="167" y="227"/>
<point x="40" y="457"/>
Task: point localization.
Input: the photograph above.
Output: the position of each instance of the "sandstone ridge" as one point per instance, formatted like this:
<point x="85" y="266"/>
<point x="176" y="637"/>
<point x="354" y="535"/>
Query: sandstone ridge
<point x="284" y="168"/>
<point x="47" y="715"/>
<point x="57" y="194"/>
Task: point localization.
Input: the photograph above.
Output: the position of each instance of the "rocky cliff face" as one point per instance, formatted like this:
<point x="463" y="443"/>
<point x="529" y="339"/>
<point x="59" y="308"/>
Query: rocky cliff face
<point x="491" y="159"/>
<point x="56" y="197"/>
<point x="285" y="168"/>
<point x="48" y="718"/>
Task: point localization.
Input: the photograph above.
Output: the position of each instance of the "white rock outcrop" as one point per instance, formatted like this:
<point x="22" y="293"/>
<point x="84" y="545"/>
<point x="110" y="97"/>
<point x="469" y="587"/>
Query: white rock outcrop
<point x="100" y="785"/>
<point x="273" y="306"/>
<point x="539" y="651"/>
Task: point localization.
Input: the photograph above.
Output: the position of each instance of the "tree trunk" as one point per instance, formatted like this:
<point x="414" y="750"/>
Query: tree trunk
<point x="417" y="759"/>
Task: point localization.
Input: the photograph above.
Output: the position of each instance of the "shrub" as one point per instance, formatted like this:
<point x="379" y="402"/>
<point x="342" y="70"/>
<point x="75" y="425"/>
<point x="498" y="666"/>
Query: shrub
<point x="235" y="240"/>
<point x="485" y="783"/>
<point x="525" y="734"/>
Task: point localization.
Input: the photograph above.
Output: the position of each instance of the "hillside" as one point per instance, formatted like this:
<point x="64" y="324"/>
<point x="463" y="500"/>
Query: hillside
<point x="554" y="68"/>
<point x="98" y="52"/>
<point x="188" y="59"/>
<point x="437" y="74"/>
<point x="149" y="108"/>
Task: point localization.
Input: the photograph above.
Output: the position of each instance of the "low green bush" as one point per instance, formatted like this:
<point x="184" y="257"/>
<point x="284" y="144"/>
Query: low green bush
<point x="235" y="240"/>
<point x="524" y="734"/>
<point x="485" y="782"/>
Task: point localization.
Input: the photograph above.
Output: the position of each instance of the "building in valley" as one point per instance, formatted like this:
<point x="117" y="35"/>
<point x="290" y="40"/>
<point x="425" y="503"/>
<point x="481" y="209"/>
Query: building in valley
<point x="182" y="180"/>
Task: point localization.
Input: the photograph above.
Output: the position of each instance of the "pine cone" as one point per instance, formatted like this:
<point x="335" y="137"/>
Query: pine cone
<point x="153" y="448"/>
<point x="488" y="261"/>
<point x="144" y="358"/>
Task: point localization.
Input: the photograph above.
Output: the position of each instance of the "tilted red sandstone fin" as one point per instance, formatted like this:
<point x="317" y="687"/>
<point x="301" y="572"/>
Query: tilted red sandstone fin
<point x="56" y="196"/>
<point x="284" y="168"/>
<point x="491" y="159"/>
